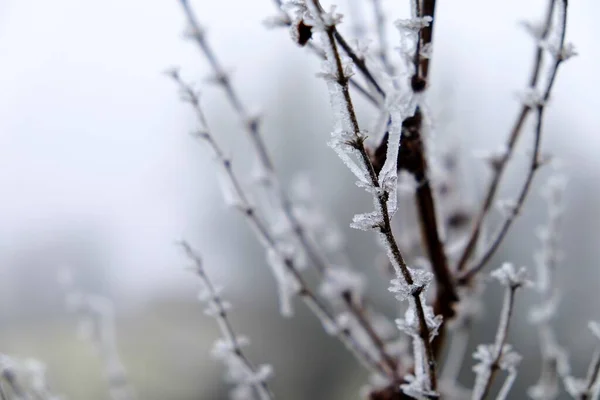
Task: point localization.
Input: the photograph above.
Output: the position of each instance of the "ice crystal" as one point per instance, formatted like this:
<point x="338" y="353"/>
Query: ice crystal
<point x="339" y="281"/>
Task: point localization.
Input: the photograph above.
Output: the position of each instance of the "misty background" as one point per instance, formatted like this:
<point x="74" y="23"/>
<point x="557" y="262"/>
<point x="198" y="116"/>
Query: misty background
<point x="99" y="174"/>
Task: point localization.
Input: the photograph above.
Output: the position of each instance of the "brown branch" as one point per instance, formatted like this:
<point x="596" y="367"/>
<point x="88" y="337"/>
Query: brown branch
<point x="427" y="10"/>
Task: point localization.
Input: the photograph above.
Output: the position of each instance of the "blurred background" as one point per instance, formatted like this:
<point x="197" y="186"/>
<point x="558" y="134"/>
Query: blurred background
<point x="99" y="174"/>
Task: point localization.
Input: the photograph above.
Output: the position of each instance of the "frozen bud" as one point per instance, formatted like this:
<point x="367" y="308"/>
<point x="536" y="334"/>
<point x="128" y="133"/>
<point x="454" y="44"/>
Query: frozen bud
<point x="173" y="73"/>
<point x="567" y="52"/>
<point x="413" y="24"/>
<point x="509" y="276"/>
<point x="421" y="281"/>
<point x="262" y="374"/>
<point x="508" y="207"/>
<point x="532" y="98"/>
<point x="218" y="78"/>
<point x="194" y="32"/>
<point x="367" y="221"/>
<point x="331" y="18"/>
<point x="301" y="32"/>
<point x="339" y="282"/>
<point x="494" y="158"/>
<point x="224" y="347"/>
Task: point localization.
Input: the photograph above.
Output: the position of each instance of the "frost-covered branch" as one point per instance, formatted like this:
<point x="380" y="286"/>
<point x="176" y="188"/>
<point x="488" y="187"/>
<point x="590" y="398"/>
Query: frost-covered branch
<point x="289" y="280"/>
<point x="554" y="363"/>
<point x="424" y="10"/>
<point x="228" y="349"/>
<point x="535" y="100"/>
<point x="589" y="387"/>
<point x="348" y="140"/>
<point x="413" y="157"/>
<point x="499" y="356"/>
<point x="97" y="324"/>
<point x="302" y="33"/>
<point x="251" y="122"/>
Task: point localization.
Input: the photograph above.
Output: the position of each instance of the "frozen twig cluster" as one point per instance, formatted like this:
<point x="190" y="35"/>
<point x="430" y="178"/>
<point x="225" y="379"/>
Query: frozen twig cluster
<point x="441" y="289"/>
<point x="284" y="263"/>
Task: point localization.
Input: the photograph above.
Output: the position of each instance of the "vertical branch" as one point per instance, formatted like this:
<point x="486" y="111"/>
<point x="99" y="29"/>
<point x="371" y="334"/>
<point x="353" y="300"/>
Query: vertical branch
<point x="413" y="158"/>
<point x="339" y="82"/>
<point x="499" y="355"/>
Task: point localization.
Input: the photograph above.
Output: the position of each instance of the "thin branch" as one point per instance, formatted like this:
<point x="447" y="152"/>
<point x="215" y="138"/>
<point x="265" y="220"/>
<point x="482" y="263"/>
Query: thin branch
<point x="500" y="164"/>
<point x="426" y="38"/>
<point x="482" y="389"/>
<point x="251" y="123"/>
<point x="499" y="355"/>
<point x="219" y="311"/>
<point x="535" y="163"/>
<point x="413" y="158"/>
<point x="359" y="62"/>
<point x="381" y="196"/>
<point x="269" y="242"/>
<point x="319" y="53"/>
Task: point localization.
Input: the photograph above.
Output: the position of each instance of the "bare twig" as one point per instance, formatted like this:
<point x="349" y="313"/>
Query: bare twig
<point x="499" y="355"/>
<point x="500" y="163"/>
<point x="251" y="123"/>
<point x="539" y="104"/>
<point x="254" y="377"/>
